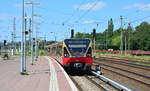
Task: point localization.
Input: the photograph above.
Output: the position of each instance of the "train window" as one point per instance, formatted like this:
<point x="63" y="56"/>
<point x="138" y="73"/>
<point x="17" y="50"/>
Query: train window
<point x="89" y="53"/>
<point x="58" y="51"/>
<point x="77" y="47"/>
<point x="66" y="54"/>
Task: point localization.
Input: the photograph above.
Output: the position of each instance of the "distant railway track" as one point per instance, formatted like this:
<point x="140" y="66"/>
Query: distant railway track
<point x="126" y="70"/>
<point x="131" y="75"/>
<point x="141" y="69"/>
<point x="126" y="59"/>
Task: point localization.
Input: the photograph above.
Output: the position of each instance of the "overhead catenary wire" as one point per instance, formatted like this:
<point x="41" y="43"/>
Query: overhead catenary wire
<point x="55" y="11"/>
<point x="135" y="12"/>
<point x="66" y="21"/>
<point x="139" y="19"/>
<point x="83" y="15"/>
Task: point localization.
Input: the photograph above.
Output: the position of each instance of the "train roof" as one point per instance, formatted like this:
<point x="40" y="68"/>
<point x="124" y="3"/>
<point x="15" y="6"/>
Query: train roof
<point x="77" y="38"/>
<point x="61" y="43"/>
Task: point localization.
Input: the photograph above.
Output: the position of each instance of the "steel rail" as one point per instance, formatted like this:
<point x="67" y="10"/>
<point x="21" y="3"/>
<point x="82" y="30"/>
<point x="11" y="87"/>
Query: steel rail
<point x="111" y="82"/>
<point x="130" y="64"/>
<point x="77" y="85"/>
<point x="98" y="85"/>
<point x="148" y="77"/>
<point x="147" y="68"/>
<point x="127" y="61"/>
<point x="127" y="76"/>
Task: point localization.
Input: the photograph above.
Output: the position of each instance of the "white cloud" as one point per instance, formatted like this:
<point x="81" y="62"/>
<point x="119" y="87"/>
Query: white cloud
<point x="91" y="6"/>
<point x="142" y="7"/>
<point x="89" y="22"/>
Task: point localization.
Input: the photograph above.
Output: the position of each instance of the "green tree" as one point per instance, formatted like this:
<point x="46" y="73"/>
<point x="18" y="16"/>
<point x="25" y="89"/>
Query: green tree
<point x="140" y="39"/>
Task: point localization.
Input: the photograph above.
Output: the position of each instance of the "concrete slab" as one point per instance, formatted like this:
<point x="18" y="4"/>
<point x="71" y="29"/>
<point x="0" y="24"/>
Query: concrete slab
<point x="37" y="80"/>
<point x="62" y="81"/>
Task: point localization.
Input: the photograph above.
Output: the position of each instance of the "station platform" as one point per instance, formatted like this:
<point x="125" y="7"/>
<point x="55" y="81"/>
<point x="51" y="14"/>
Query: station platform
<point x="59" y="78"/>
<point x="45" y="75"/>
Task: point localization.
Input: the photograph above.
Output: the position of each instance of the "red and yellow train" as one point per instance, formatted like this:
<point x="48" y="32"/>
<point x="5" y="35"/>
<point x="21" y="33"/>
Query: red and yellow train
<point x="74" y="53"/>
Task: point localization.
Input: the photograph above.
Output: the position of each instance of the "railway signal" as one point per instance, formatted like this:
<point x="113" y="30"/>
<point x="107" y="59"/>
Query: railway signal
<point x="5" y="42"/>
<point x="94" y="33"/>
<point x="14" y="37"/>
<point x="94" y="37"/>
<point x="72" y="33"/>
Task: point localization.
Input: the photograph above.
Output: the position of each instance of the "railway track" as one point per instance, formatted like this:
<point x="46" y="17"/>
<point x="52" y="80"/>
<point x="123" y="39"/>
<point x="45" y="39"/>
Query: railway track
<point x="129" y="74"/>
<point x="140" y="74"/>
<point x="131" y="59"/>
<point x="96" y="83"/>
<point x="129" y="62"/>
<point x="141" y="70"/>
<point x="84" y="84"/>
<point x="92" y="84"/>
<point x="126" y="59"/>
<point x="76" y="83"/>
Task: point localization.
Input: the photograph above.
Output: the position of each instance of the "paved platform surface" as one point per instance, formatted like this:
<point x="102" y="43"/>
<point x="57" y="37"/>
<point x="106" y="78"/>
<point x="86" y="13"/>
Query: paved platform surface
<point x="59" y="78"/>
<point x="37" y="80"/>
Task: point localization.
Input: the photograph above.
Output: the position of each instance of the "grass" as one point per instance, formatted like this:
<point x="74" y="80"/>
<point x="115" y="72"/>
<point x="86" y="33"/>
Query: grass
<point x="24" y="73"/>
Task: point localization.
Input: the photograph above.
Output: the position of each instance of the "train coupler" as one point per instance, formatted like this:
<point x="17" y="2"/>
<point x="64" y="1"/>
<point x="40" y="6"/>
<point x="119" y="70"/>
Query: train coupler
<point x="98" y="69"/>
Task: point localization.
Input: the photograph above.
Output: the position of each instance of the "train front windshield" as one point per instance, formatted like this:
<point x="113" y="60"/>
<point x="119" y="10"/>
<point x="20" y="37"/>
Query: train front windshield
<point x="77" y="47"/>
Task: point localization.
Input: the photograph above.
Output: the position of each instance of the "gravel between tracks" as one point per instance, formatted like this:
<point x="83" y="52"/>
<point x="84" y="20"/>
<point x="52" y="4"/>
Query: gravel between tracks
<point x="85" y="84"/>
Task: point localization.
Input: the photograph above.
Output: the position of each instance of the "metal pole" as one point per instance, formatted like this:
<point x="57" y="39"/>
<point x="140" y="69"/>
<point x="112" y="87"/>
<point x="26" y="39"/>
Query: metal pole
<point x="94" y="43"/>
<point x="22" y="43"/>
<point x="32" y="55"/>
<point x="106" y="40"/>
<point x="36" y="45"/>
<point x="121" y="45"/>
<point x="14" y="34"/>
<point x="30" y="34"/>
<point x="12" y="43"/>
<point x="129" y="31"/>
<point x="125" y="43"/>
<point x="44" y="41"/>
<point x="13" y="37"/>
<point x="36" y="42"/>
<point x="25" y="20"/>
<point x="32" y="30"/>
<point x="55" y="38"/>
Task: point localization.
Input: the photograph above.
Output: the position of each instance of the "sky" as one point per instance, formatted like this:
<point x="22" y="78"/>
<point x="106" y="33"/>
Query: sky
<point x="58" y="17"/>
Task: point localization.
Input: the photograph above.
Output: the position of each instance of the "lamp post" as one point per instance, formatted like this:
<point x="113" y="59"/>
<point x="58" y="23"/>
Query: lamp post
<point x="25" y="33"/>
<point x="22" y="43"/>
<point x="36" y="41"/>
<point x="55" y="40"/>
<point x="32" y="29"/>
